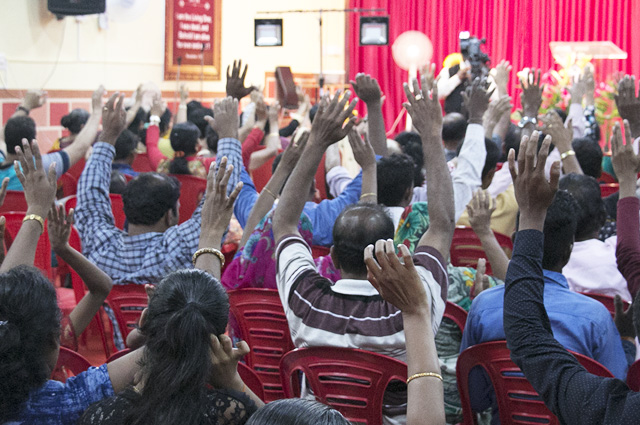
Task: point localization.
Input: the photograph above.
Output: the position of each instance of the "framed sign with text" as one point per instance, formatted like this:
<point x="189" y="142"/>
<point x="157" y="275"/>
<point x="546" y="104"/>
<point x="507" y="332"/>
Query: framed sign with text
<point x="192" y="39"/>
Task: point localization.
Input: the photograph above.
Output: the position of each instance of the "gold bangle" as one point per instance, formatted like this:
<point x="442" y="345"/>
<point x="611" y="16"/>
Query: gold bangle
<point x="424" y="375"/>
<point x="213" y="251"/>
<point x="264" y="189"/>
<point x="364" y="195"/>
<point x="563" y="156"/>
<point x="36" y="218"/>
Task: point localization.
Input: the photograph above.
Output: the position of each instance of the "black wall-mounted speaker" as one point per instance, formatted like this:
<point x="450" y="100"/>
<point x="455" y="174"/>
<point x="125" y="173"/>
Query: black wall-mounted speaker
<point x="76" y="7"/>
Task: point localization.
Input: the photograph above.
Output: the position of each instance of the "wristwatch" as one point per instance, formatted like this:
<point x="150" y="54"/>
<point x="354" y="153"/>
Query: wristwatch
<point x="527" y="120"/>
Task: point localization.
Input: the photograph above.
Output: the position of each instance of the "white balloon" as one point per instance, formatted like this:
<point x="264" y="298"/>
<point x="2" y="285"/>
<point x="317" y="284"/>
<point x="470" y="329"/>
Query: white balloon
<point x="412" y="50"/>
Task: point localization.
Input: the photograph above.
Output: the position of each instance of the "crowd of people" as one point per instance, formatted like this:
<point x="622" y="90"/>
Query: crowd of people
<point x="387" y="223"/>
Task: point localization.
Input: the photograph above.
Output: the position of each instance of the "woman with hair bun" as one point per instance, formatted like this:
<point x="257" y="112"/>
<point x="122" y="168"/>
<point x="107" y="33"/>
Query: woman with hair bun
<point x="74" y="121"/>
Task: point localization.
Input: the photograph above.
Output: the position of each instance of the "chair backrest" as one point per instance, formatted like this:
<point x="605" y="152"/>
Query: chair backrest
<point x="518" y="402"/>
<point x="456" y="314"/>
<point x="192" y="190"/>
<point x="263" y="324"/>
<point x="261" y="175"/>
<point x="609" y="189"/>
<point x="251" y="380"/>
<point x="607" y="301"/>
<point x="76" y="169"/>
<point x="127" y="302"/>
<point x="117" y="208"/>
<point x="70" y="363"/>
<point x="466" y="247"/>
<point x="43" y="249"/>
<point x="319" y="251"/>
<point x="633" y="376"/>
<point x="118" y="354"/>
<point x="67" y="185"/>
<point x="607" y="178"/>
<point x="14" y="201"/>
<point x="351" y="381"/>
<point x="142" y="164"/>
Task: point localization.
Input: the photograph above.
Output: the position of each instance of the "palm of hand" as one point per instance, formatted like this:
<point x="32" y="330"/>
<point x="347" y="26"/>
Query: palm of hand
<point x="427" y="116"/>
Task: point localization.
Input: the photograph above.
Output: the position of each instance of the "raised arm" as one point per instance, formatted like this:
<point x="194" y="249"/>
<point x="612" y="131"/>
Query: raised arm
<point x="97" y="281"/>
<point x="32" y="99"/>
<point x="153" y="134"/>
<point x="629" y="104"/>
<point x="364" y="155"/>
<point x="327" y="129"/>
<point x="226" y="125"/>
<point x="78" y="149"/>
<point x="368" y="90"/>
<point x="235" y="81"/>
<point x="137" y="103"/>
<point x="399" y="284"/>
<point x="531" y="99"/>
<point x="272" y="141"/>
<point x="426" y="114"/>
<point x="561" y="137"/>
<point x="39" y="192"/>
<point x="181" y="116"/>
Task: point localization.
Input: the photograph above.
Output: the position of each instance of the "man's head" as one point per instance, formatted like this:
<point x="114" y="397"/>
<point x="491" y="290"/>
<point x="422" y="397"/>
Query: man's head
<point x="356" y="227"/>
<point x="559" y="229"/>
<point x="16" y="129"/>
<point x="589" y="155"/>
<point x="152" y="198"/>
<point x="411" y="144"/>
<point x="454" y="127"/>
<point x="126" y="144"/>
<point x="395" y="180"/>
<point x="511" y="141"/>
<point x="591" y="214"/>
<point x="197" y="117"/>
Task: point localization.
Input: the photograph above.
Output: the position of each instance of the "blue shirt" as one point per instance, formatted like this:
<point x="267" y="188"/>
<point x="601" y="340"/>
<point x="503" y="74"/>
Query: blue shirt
<point x="322" y="215"/>
<point x="124" y="169"/>
<point x="579" y="323"/>
<point x="57" y="403"/>
<point x="61" y="158"/>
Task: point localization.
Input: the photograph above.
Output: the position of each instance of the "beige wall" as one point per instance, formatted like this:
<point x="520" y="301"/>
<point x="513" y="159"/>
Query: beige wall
<point x="128" y="53"/>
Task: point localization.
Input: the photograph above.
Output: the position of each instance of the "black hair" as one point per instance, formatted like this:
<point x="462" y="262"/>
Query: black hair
<point x="165" y="120"/>
<point x="16" y="129"/>
<point x="149" y="196"/>
<point x="187" y="309"/>
<point x="184" y="140"/>
<point x="511" y="141"/>
<point x="611" y="205"/>
<point x="493" y="157"/>
<point x="212" y="139"/>
<point x="358" y="226"/>
<point x="118" y="182"/>
<point x="192" y="106"/>
<point x="197" y="117"/>
<point x="411" y="144"/>
<point x="561" y="113"/>
<point x="312" y="112"/>
<point x="297" y="411"/>
<point x="454" y="127"/>
<point x="138" y="120"/>
<point x="395" y="177"/>
<point x="591" y="214"/>
<point x="126" y="143"/>
<point x="589" y="155"/>
<point x="75" y="120"/>
<point x="29" y="331"/>
<point x="559" y="229"/>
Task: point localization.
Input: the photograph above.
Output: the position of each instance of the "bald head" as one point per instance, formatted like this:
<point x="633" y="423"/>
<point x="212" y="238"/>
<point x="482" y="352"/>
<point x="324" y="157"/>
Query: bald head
<point x="454" y="127"/>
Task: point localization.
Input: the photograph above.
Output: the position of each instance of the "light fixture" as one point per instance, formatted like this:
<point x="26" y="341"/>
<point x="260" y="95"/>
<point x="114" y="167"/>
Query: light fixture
<point x="268" y="32"/>
<point x="374" y="30"/>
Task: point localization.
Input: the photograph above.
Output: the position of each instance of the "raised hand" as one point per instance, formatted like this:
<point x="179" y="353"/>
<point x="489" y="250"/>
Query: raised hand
<point x="481" y="281"/>
<point x="59" y="227"/>
<point x="34" y="99"/>
<point x="429" y="74"/>
<point x="226" y="118"/>
<point x="533" y="192"/>
<point x="590" y="85"/>
<point x="424" y="108"/>
<point x="224" y="359"/>
<point x="96" y="101"/>
<point x="624" y="319"/>
<point x="626" y="163"/>
<point x="629" y="104"/>
<point x="501" y="77"/>
<point x="497" y="109"/>
<point x="235" y="81"/>
<point x="157" y="107"/>
<point x="578" y="89"/>
<point x="218" y="207"/>
<point x="184" y="93"/>
<point x="362" y="149"/>
<point x="480" y="209"/>
<point x="366" y="88"/>
<point x="272" y="114"/>
<point x="39" y="186"/>
<point x="3" y="190"/>
<point x="114" y="119"/>
<point x="531" y="96"/>
<point x="476" y="100"/>
<point x="293" y="152"/>
<point x="561" y="136"/>
<point x="261" y="108"/>
<point x="329" y="123"/>
<point x="398" y="283"/>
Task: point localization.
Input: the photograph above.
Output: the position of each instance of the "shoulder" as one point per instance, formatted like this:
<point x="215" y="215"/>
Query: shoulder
<point x="229" y="406"/>
<point x="110" y="410"/>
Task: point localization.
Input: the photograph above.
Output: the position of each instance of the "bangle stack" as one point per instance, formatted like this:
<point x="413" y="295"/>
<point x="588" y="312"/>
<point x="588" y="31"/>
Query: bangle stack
<point x="213" y="251"/>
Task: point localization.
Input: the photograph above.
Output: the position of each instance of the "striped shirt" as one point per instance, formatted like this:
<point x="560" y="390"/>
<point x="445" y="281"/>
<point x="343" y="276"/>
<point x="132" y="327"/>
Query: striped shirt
<point x="350" y="313"/>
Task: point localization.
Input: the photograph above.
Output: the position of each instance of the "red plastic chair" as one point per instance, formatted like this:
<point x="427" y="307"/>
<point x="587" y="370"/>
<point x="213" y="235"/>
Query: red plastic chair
<point x="118" y="354"/>
<point x="349" y="380"/>
<point x="43" y="249"/>
<point x="608" y="189"/>
<point x="518" y="402"/>
<point x="466" y="247"/>
<point x="607" y="178"/>
<point x="633" y="376"/>
<point x="263" y="324"/>
<point x="14" y="201"/>
<point x="192" y="190"/>
<point x="319" y="251"/>
<point x="117" y="208"/>
<point x="71" y="364"/>
<point x="142" y="164"/>
<point x="127" y="302"/>
<point x="456" y="314"/>
<point x="67" y="185"/>
<point x="607" y="301"/>
<point x="76" y="169"/>
<point x="251" y="380"/>
<point x="261" y="175"/>
<point x="321" y="180"/>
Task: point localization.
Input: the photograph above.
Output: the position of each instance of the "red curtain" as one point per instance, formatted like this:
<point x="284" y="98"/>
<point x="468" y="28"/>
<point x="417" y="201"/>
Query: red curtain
<point x="516" y="30"/>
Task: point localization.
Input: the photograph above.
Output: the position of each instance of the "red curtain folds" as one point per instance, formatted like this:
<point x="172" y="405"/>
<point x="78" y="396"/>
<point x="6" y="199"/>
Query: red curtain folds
<point x="516" y="30"/>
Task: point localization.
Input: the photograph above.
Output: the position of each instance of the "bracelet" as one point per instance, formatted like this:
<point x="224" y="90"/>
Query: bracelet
<point x="213" y="251"/>
<point x="566" y="154"/>
<point x="23" y="109"/>
<point x="264" y="189"/>
<point x="364" y="195"/>
<point x="36" y="218"/>
<point x="154" y="119"/>
<point x="424" y="375"/>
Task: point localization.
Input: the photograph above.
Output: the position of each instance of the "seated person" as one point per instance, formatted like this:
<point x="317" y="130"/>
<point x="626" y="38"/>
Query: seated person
<point x="125" y="153"/>
<point x="395" y="185"/>
<point x="454" y="127"/>
<point x="592" y="266"/>
<point x="184" y="142"/>
<point x="589" y="155"/>
<point x="73" y="122"/>
<point x="586" y="327"/>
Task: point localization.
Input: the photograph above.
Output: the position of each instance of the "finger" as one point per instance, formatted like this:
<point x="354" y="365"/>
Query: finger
<point x="3" y="189"/>
<point x="391" y="254"/>
<point x="380" y="255"/>
<point x="627" y="134"/>
<point x="522" y="153"/>
<point x="225" y="180"/>
<point x="228" y="72"/>
<point x="52" y="174"/>
<point x="222" y="168"/>
<point x="242" y="349"/>
<point x="111" y="102"/>
<point x="28" y="155"/>
<point x="416" y="87"/>
<point x="616" y="139"/>
<point x="554" y="175"/>
<point x="244" y="72"/>
<point x="481" y="267"/>
<point x="210" y="177"/>
<point x="18" y="170"/>
<point x="530" y="152"/>
<point x="543" y="154"/>
<point x="511" y="158"/>
<point x="410" y="97"/>
<point x="70" y="217"/>
<point x="35" y="150"/>
<point x="371" y="263"/>
<point x="406" y="255"/>
<point x="120" y="99"/>
<point x="235" y="193"/>
<point x="226" y="343"/>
